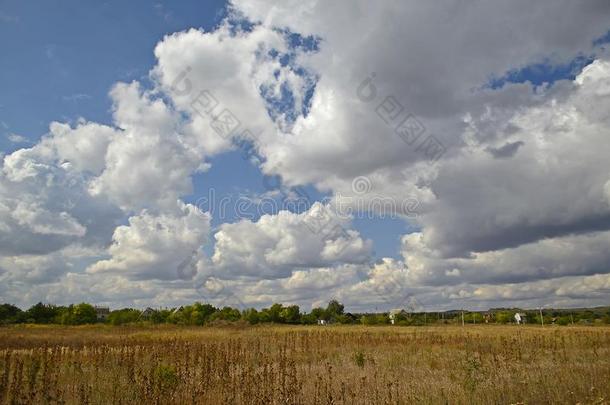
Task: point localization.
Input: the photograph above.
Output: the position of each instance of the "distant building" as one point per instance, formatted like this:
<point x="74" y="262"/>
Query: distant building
<point x="520" y="318"/>
<point x="487" y="317"/>
<point x="102" y="313"/>
<point x="322" y="322"/>
<point x="395" y="313"/>
<point x="147" y="312"/>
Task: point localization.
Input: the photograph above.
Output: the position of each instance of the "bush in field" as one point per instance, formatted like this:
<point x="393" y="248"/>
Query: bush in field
<point x="165" y="379"/>
<point x="374" y="319"/>
<point x="79" y="314"/>
<point x="124" y="316"/>
<point x="359" y="359"/>
<point x="344" y="318"/>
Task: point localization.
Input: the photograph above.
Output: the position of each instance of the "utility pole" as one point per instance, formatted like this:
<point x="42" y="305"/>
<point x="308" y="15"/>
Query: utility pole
<point x="462" y="317"/>
<point x="541" y="318"/>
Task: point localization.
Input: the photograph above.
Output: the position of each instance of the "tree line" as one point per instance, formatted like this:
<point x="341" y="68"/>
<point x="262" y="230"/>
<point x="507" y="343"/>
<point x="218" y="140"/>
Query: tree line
<point x="202" y="314"/>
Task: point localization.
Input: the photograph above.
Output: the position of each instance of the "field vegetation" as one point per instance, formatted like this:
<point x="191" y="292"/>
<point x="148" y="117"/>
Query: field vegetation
<point x="239" y="363"/>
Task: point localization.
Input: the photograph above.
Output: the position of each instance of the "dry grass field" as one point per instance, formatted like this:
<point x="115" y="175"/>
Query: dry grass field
<point x="305" y="365"/>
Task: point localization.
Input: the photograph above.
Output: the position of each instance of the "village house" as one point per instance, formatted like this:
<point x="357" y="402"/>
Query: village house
<point x="395" y="314"/>
<point x="520" y="318"/>
<point x="147" y="312"/>
<point x="102" y="313"/>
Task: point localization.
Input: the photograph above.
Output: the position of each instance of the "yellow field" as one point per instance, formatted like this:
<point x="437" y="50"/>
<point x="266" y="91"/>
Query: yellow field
<point x="298" y="364"/>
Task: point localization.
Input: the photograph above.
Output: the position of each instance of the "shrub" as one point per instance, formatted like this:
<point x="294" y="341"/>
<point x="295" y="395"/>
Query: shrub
<point x="359" y="359"/>
<point x="165" y="378"/>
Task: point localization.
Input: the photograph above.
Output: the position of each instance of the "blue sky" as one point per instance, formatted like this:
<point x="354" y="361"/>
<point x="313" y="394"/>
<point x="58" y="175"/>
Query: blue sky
<point x="63" y="56"/>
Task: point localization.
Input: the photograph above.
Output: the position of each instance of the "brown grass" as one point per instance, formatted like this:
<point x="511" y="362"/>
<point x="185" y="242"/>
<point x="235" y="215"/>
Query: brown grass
<point x="294" y="365"/>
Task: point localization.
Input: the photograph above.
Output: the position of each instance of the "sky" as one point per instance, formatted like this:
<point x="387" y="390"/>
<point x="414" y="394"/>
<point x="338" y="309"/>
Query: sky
<point x="414" y="155"/>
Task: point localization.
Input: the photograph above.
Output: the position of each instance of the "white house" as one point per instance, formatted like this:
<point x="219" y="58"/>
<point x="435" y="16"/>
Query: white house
<point x="520" y="317"/>
<point x="394" y="314"/>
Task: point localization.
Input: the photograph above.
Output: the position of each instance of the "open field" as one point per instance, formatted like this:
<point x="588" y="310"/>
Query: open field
<point x="300" y="364"/>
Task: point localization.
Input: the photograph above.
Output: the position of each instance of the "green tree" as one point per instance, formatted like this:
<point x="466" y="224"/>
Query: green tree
<point x="503" y="317"/>
<point x="291" y="314"/>
<point x="344" y="319"/>
<point x="226" y="314"/>
<point x="275" y="313"/>
<point x="251" y="315"/>
<point x="374" y="319"/>
<point x="179" y="316"/>
<point x="382" y="319"/>
<point x="473" y="317"/>
<point x="42" y="313"/>
<point x="38" y="313"/>
<point x="334" y="309"/>
<point x="160" y="316"/>
<point x="308" y="319"/>
<point x="79" y="314"/>
<point x="319" y="313"/>
<point x="124" y="316"/>
<point x="10" y="314"/>
<point x="264" y="316"/>
<point x="201" y="313"/>
<point x="83" y="313"/>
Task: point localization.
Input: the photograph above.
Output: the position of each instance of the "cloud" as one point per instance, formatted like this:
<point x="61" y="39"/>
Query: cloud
<point x="154" y="246"/>
<point x="544" y="259"/>
<point x="7" y="18"/>
<point x="554" y="185"/>
<point x="15" y="138"/>
<point x="150" y="163"/>
<point x="76" y="97"/>
<point x="41" y="221"/>
<point x="505" y="151"/>
<point x="44" y="203"/>
<point x="430" y="57"/>
<point x="276" y="245"/>
<point x="512" y="206"/>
